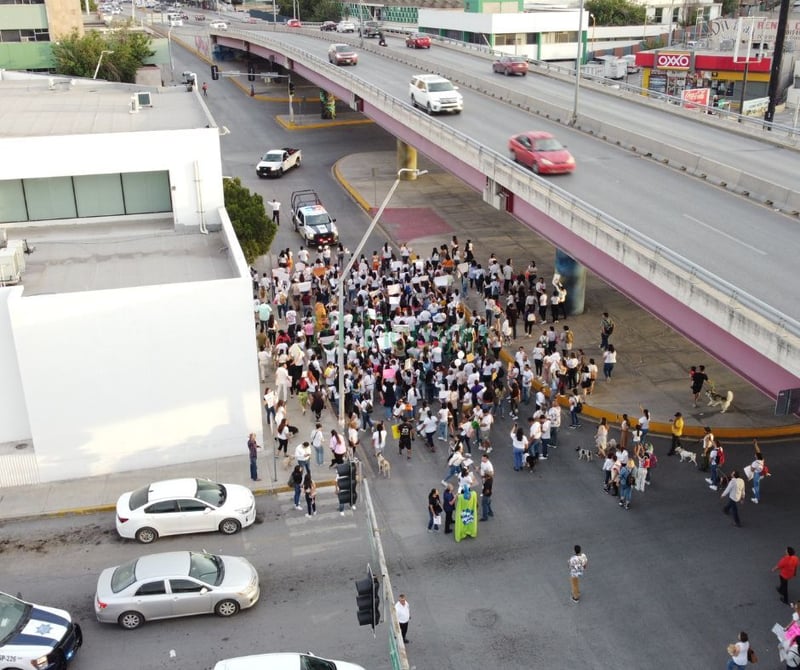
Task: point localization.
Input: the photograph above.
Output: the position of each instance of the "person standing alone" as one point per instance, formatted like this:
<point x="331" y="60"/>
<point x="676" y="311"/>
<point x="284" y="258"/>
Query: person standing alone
<point x="577" y="564"/>
<point x="403" y="611"/>
<point x="252" y="447"/>
<point x="677" y="431"/>
<point x="735" y="492"/>
<point x="276" y="211"/>
<point x="786" y="568"/>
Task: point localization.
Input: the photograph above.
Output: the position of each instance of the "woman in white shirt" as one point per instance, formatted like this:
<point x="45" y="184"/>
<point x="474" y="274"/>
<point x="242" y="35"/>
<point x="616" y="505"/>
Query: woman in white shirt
<point x="601" y="437"/>
<point x="738" y="653"/>
<point x="609" y="359"/>
<point x="519" y="443"/>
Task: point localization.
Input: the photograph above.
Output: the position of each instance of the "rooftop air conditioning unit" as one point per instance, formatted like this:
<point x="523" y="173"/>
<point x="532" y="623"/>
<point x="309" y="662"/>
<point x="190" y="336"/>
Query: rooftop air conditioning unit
<point x="12" y="262"/>
<point x="144" y="99"/>
<point x="134" y="104"/>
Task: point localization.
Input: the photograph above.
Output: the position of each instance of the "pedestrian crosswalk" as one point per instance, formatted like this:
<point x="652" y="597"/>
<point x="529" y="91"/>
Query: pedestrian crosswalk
<point x="328" y="530"/>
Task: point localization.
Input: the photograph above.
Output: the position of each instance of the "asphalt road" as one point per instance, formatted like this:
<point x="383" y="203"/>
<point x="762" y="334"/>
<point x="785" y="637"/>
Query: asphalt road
<point x="744" y="243"/>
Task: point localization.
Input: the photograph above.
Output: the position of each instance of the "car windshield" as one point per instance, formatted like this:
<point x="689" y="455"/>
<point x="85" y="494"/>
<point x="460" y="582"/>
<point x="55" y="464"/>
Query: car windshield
<point x="139" y="497"/>
<point x="440" y="86"/>
<point x="343" y="48"/>
<point x="13" y="616"/>
<point x="314" y="663"/>
<point x="207" y="568"/>
<point x="548" y="144"/>
<point x="211" y="492"/>
<point x="317" y="220"/>
<point x="124" y="576"/>
<point x="273" y="157"/>
<point x="516" y="59"/>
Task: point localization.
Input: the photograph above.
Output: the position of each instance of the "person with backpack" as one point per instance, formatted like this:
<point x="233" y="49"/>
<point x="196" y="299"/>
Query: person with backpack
<point x="627" y="479"/>
<point x="575" y="408"/>
<point x="606" y="330"/>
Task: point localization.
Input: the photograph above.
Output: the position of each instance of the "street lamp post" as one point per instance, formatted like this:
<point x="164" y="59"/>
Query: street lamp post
<point x="171" y="62"/>
<point x="100" y="60"/>
<point x="578" y="59"/>
<point x="343" y="272"/>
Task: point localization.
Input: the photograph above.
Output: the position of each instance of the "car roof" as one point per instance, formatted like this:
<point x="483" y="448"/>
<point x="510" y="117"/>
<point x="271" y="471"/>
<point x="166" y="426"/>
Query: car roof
<point x="538" y="134"/>
<point x="172" y="488"/>
<point x="313" y="209"/>
<point x="169" y="563"/>
<point x="430" y="77"/>
<point x="346" y="46"/>
<point x="277" y="661"/>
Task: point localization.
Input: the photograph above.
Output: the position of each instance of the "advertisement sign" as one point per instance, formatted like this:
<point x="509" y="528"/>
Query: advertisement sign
<point x="695" y="96"/>
<point x="658" y="83"/>
<point x="755" y="107"/>
<point x="673" y="60"/>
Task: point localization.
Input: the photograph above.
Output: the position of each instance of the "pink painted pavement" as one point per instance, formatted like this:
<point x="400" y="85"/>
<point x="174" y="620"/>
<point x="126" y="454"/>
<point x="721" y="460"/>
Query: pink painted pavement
<point x="405" y="224"/>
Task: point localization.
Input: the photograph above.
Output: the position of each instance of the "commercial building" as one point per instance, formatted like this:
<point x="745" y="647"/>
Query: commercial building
<point x="126" y="336"/>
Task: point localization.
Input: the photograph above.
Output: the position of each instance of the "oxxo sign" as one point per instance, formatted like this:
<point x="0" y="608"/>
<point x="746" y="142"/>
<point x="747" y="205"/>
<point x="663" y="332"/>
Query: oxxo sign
<point x="673" y="60"/>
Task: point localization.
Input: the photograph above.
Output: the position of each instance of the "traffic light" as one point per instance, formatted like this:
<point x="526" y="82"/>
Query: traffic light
<point x="214" y="72"/>
<point x="346" y="483"/>
<point x="368" y="600"/>
<point x="251" y="73"/>
<point x="291" y="88"/>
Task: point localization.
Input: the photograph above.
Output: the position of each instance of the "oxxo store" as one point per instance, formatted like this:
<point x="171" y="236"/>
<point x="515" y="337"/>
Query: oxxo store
<point x="672" y="72"/>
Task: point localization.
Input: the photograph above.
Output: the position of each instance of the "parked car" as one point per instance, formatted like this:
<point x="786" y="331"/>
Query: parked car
<point x="342" y="54"/>
<point x="435" y="94"/>
<point x="36" y="636"/>
<point x="418" y="41"/>
<point x="284" y="661"/>
<point x="541" y="152"/>
<point x="509" y="65"/>
<point x="345" y="27"/>
<point x="277" y="161"/>
<point x="328" y="26"/>
<point x="178" y="506"/>
<point x="294" y="23"/>
<point x="175" y="584"/>
<point x="219" y="25"/>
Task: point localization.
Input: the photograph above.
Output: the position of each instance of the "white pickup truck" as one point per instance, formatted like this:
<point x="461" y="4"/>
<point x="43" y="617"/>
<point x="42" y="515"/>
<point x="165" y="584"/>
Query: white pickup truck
<point x="277" y="161"/>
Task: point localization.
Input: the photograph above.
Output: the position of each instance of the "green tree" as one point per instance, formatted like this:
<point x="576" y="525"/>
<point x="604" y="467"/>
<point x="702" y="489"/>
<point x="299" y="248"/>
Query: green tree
<point x="314" y="10"/>
<point x="78" y="56"/>
<point x="254" y="229"/>
<point x="616" y="12"/>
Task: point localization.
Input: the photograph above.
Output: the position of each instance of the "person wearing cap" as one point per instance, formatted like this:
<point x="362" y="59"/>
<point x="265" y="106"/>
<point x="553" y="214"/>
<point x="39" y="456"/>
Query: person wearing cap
<point x="677" y="431"/>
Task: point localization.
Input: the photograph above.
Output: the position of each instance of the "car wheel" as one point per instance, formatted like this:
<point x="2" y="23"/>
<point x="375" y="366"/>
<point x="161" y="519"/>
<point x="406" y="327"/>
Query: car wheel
<point x="413" y="101"/>
<point x="507" y="72"/>
<point x="535" y="167"/>
<point x="226" y="608"/>
<point x="146" y="535"/>
<point x="280" y="172"/>
<point x="513" y="156"/>
<point x="229" y="526"/>
<point x="130" y="620"/>
<point x="429" y="110"/>
<point x="297" y="164"/>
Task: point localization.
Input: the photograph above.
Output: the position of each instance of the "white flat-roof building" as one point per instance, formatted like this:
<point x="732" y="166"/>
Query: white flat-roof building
<point x="126" y="336"/>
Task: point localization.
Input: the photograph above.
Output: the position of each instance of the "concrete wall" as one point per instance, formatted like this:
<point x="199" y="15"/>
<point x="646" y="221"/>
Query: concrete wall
<point x="175" y="150"/>
<point x="14" y="425"/>
<point x="138" y="377"/>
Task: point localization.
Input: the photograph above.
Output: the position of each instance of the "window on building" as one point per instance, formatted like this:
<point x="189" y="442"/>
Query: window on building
<point x="658" y="15"/>
<point x="676" y="14"/>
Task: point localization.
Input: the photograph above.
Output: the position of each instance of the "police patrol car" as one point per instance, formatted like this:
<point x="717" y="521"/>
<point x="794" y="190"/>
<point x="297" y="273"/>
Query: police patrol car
<point x="34" y="636"/>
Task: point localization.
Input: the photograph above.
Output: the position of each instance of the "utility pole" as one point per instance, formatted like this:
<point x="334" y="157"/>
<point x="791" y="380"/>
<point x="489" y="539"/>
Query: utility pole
<point x="777" y="60"/>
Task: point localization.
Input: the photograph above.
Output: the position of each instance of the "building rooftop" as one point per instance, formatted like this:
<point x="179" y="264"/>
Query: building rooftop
<point x="92" y="257"/>
<point x="38" y="106"/>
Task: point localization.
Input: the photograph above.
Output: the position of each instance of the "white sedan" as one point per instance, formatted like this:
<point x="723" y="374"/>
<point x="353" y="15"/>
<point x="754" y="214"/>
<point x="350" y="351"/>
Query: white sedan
<point x="284" y="661"/>
<point x="345" y="27"/>
<point x="219" y="25"/>
<point x="178" y="506"/>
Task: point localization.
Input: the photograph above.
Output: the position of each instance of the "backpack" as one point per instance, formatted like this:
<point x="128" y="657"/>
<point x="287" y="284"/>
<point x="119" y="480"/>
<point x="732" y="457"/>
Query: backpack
<point x="631" y="477"/>
<point x="578" y="407"/>
<point x="653" y="459"/>
<point x="720" y="455"/>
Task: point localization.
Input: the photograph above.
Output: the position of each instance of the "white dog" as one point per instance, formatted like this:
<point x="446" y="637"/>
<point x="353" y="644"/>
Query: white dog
<point x="686" y="455"/>
<point x="584" y="454"/>
<point x="718" y="400"/>
<point x="384" y="466"/>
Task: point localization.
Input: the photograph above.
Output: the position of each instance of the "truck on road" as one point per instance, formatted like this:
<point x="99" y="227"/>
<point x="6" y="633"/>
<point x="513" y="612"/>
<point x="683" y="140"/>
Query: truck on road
<point x="311" y="219"/>
<point x="277" y="161"/>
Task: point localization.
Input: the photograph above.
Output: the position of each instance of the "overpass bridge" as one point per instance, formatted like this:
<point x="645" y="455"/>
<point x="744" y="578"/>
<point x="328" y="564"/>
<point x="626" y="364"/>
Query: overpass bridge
<point x="718" y="283"/>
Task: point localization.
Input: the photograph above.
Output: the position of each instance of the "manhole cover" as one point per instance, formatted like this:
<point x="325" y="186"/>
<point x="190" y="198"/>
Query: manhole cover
<point x="482" y="618"/>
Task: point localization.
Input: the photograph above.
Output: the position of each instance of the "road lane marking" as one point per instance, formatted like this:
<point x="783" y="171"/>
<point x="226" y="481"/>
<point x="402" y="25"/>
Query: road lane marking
<point x="730" y="237"/>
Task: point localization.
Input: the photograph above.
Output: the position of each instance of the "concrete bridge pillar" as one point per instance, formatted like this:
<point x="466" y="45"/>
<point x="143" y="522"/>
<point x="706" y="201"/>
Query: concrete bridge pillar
<point x="573" y="277"/>
<point x="406" y="158"/>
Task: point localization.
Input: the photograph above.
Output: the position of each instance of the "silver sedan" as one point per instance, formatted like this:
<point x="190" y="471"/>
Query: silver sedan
<point x="175" y="584"/>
